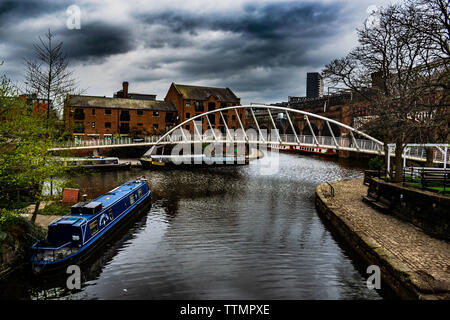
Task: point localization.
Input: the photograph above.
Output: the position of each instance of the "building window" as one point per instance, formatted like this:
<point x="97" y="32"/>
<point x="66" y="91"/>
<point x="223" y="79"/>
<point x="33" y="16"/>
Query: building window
<point x="140" y="113"/>
<point x="93" y="112"/>
<point x="155" y="113"/>
<point x="125" y="115"/>
<point x="78" y="127"/>
<point x="107" y="111"/>
<point x="79" y="114"/>
<point x="211" y="106"/>
<point x="188" y="115"/>
<point x="107" y="124"/>
<point x="223" y="105"/>
<point x="155" y="126"/>
<point x="124" y="127"/>
<point x="188" y="103"/>
<point x="233" y="117"/>
<point x="93" y="124"/>
<point x="140" y="124"/>
<point x="224" y="117"/>
<point x="212" y="118"/>
<point x="169" y="117"/>
<point x="199" y="106"/>
<point x="188" y="127"/>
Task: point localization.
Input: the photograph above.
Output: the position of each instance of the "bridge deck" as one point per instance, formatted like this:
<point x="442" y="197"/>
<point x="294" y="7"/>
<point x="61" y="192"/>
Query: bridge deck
<point x="337" y="143"/>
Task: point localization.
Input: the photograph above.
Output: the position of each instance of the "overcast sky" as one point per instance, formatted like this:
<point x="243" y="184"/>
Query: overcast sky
<point x="262" y="50"/>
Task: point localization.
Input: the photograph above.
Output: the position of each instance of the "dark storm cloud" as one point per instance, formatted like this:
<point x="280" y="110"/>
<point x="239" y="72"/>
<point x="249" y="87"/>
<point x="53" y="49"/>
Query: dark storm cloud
<point x="95" y="41"/>
<point x="275" y="34"/>
<point x="24" y="9"/>
<point x="273" y="21"/>
<point x="262" y="49"/>
<point x="274" y="37"/>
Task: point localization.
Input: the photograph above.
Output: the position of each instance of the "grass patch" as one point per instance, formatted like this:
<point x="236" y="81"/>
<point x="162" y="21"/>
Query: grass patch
<point x="417" y="183"/>
<point x="437" y="189"/>
<point x="56" y="209"/>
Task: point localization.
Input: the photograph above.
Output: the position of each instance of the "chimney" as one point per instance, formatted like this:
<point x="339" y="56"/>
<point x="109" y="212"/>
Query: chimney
<point x="125" y="89"/>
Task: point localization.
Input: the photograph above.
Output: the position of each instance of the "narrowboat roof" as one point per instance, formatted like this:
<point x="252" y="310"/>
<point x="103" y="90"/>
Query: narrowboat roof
<point x="86" y="159"/>
<point x="105" y="200"/>
<point x="117" y="193"/>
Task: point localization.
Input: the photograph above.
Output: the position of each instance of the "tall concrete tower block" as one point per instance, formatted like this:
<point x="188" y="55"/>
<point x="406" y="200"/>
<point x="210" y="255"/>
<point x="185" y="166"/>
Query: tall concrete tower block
<point x="314" y="85"/>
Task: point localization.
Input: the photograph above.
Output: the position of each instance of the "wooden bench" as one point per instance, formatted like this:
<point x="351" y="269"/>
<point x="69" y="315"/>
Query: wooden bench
<point x="433" y="177"/>
<point x="377" y="201"/>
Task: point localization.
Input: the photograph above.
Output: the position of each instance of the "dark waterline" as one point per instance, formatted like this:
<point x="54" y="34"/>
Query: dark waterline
<point x="220" y="233"/>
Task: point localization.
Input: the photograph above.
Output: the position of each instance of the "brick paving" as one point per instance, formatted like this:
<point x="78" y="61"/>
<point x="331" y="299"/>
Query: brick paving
<point x="415" y="252"/>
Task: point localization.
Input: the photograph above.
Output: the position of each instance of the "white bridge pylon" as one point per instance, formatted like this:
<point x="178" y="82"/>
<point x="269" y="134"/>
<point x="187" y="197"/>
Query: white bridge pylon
<point x="371" y="145"/>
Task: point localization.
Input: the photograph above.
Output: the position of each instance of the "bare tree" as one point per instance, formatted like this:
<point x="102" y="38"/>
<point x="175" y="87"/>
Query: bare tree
<point x="394" y="70"/>
<point x="48" y="74"/>
<point x="434" y="84"/>
<point x="437" y="23"/>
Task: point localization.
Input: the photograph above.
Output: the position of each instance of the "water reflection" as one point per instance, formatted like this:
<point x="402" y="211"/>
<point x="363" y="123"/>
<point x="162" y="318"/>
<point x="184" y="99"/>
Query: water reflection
<point x="225" y="233"/>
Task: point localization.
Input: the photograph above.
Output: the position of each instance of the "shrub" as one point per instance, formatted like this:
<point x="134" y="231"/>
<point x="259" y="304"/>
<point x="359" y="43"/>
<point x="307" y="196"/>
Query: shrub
<point x="376" y="163"/>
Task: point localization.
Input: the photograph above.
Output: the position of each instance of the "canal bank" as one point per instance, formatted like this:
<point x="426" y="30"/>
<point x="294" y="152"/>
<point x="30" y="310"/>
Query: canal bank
<point x="413" y="264"/>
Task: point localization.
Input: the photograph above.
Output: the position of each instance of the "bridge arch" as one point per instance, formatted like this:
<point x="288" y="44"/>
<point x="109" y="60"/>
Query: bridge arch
<point x="249" y="111"/>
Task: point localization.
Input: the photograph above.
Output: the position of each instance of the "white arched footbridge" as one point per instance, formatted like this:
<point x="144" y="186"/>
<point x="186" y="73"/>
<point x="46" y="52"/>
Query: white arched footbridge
<point x="354" y="141"/>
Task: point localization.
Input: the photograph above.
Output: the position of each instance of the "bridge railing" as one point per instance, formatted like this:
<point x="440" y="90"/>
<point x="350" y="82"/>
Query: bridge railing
<point x="273" y="138"/>
<point x="324" y="141"/>
<point x="112" y="141"/>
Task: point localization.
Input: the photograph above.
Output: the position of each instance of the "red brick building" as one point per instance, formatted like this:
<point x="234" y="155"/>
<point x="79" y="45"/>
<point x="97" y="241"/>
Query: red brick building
<point x="36" y="104"/>
<point x="94" y="117"/>
<point x="193" y="100"/>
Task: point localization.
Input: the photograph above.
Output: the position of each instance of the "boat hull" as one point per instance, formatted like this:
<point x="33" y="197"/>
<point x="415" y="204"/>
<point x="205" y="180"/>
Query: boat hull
<point x="106" y="167"/>
<point x="148" y="163"/>
<point x="306" y="150"/>
<point x="46" y="269"/>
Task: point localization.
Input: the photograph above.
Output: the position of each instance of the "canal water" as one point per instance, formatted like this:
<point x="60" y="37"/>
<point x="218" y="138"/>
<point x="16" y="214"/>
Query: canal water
<point x="219" y="233"/>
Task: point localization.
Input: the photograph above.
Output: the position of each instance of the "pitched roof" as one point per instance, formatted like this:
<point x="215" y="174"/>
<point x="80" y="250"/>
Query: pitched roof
<point x="203" y="93"/>
<point x="119" y="103"/>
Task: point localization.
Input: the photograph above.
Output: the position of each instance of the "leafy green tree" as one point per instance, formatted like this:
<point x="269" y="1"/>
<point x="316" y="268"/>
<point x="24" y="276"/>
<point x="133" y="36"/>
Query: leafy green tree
<point x="25" y="138"/>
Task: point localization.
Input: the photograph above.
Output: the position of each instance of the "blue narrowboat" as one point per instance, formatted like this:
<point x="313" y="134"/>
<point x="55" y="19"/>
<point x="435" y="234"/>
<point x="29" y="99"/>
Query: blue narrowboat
<point x="89" y="223"/>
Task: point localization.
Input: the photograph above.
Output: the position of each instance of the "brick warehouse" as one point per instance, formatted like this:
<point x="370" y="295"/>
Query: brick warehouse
<point x="95" y="117"/>
<point x="193" y="100"/>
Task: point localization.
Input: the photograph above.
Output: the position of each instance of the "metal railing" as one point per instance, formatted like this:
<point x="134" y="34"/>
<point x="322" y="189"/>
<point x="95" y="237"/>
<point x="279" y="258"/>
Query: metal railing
<point x="357" y="145"/>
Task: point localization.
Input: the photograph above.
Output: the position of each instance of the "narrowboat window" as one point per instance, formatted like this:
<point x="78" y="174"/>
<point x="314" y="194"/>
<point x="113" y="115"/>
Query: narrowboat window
<point x="111" y="214"/>
<point x="131" y="199"/>
<point x="140" y="193"/>
<point x="93" y="226"/>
